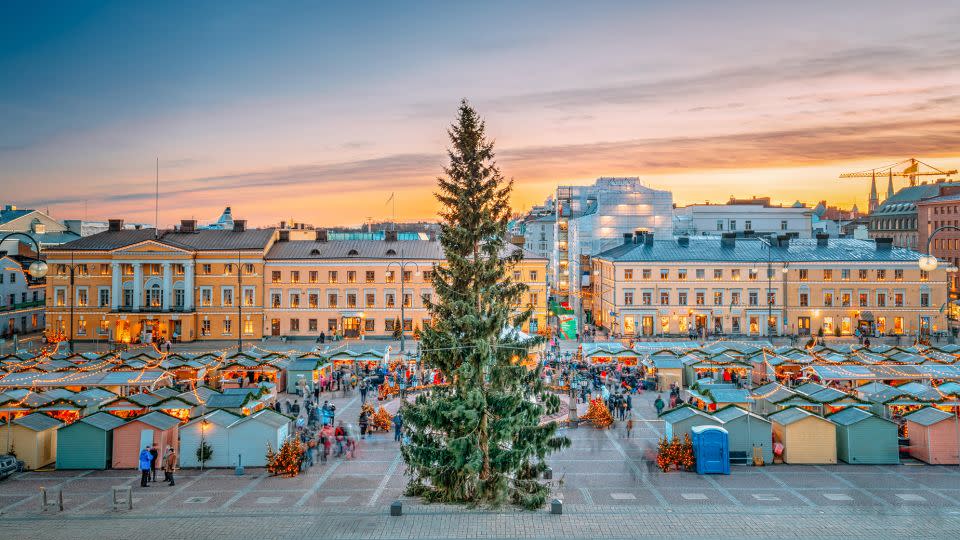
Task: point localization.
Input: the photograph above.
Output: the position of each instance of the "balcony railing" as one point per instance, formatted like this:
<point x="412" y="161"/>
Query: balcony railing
<point x="154" y="309"/>
<point x="22" y="305"/>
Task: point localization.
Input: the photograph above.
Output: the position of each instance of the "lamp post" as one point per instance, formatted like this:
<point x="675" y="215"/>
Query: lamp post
<point x="769" y="282"/>
<point x="929" y="262"/>
<point x="37" y="269"/>
<point x="239" y="301"/>
<point x="402" y="264"/>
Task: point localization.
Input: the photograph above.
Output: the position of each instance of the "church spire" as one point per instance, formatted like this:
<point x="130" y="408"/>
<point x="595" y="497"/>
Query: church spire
<point x="874" y="202"/>
<point x="890" y="185"/>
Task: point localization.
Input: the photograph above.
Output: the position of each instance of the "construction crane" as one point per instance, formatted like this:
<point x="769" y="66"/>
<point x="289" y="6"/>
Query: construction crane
<point x="911" y="170"/>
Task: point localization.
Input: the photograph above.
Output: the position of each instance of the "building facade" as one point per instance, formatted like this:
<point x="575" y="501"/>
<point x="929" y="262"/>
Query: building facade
<point x="357" y="287"/>
<point x="897" y="217"/>
<point x="142" y="285"/>
<point x="45" y="230"/>
<point x="593" y="218"/>
<point x="757" y="215"/>
<point x="21" y="298"/>
<point x="539" y="235"/>
<point x="931" y="215"/>
<point x="759" y="287"/>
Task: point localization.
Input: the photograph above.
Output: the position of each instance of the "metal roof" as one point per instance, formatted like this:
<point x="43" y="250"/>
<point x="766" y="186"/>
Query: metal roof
<point x="732" y="412"/>
<point x="219" y="417"/>
<point x="791" y="415"/>
<point x="269" y="417"/>
<point x="159" y="420"/>
<point x="37" y="422"/>
<point x="927" y="416"/>
<point x="201" y="240"/>
<point x="851" y="415"/>
<point x="710" y="249"/>
<point x="104" y="421"/>
<point x="430" y="250"/>
<point x="682" y="413"/>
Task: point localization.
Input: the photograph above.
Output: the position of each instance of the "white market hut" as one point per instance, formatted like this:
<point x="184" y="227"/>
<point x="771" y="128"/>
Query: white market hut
<point x="211" y="428"/>
<point x="248" y="437"/>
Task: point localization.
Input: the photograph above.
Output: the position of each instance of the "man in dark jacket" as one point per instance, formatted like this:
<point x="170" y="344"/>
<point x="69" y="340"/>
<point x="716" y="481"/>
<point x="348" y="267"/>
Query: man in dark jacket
<point x="154" y="461"/>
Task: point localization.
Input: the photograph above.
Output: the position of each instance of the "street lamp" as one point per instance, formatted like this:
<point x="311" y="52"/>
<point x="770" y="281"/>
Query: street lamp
<point x="402" y="265"/>
<point x="37" y="269"/>
<point x="929" y="263"/>
<point x="756" y="269"/>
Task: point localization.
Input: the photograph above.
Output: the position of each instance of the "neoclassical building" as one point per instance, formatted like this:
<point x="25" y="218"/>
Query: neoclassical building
<point x="750" y="286"/>
<point x="144" y="284"/>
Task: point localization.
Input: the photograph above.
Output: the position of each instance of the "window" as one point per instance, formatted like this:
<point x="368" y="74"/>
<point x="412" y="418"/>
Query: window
<point x="275" y="276"/>
<point x="205" y="327"/>
<point x="331" y="325"/>
<point x="898" y="274"/>
<point x="735" y="274"/>
<point x="700" y="298"/>
<point x="718" y="275"/>
<point x="733" y="225"/>
<point x="701" y="273"/>
<point x="898" y="299"/>
<point x="682" y="274"/>
<point x="390" y="276"/>
<point x="59" y="297"/>
<point x="772" y="298"/>
<point x="312" y="325"/>
<point x="294" y="325"/>
<point x="735" y="298"/>
<point x="845" y="274"/>
<point x="534" y="298"/>
<point x="247" y="327"/>
<point x="881" y="275"/>
<point x="828" y="275"/>
<point x="104" y="298"/>
<point x="828" y="298"/>
<point x="226" y="296"/>
<point x="295" y="300"/>
<point x="924" y="299"/>
<point x="664" y="298"/>
<point x="294" y="276"/>
<point x="105" y="269"/>
<point x="81" y="327"/>
<point x="924" y="275"/>
<point x="248" y="295"/>
<point x="370" y="276"/>
<point x="628" y="298"/>
<point x="881" y="299"/>
<point x="719" y="224"/>
<point x="351" y="276"/>
<point x="103" y="328"/>
<point x="804" y="299"/>
<point x="178" y="297"/>
<point x="369" y="325"/>
<point x="371" y="300"/>
<point x="391" y="300"/>
<point x="682" y="298"/>
<point x="516" y="276"/>
<point x="804" y="274"/>
<point x="332" y="276"/>
<point x="845" y="299"/>
<point x="664" y="274"/>
<point x="206" y="296"/>
<point x="718" y="298"/>
<point x="313" y="300"/>
<point x="206" y="269"/>
<point x="227" y="326"/>
<point x="862" y="274"/>
<point x="82" y="297"/>
<point x="533" y="275"/>
<point x="647" y="298"/>
<point x="228" y="269"/>
<point x="863" y="301"/>
<point x="783" y="225"/>
<point x="748" y="225"/>
<point x="753" y="298"/>
<point x="628" y="274"/>
<point x="275" y="300"/>
<point x="407" y="276"/>
<point x="313" y="276"/>
<point x="332" y="300"/>
<point x="249" y="269"/>
<point x="752" y="274"/>
<point x="388" y="325"/>
<point x="428" y="275"/>
<point x="646" y="273"/>
<point x="351" y="300"/>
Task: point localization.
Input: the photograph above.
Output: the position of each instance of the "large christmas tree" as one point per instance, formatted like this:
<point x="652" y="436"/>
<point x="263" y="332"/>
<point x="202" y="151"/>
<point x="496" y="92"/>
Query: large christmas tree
<point x="479" y="440"/>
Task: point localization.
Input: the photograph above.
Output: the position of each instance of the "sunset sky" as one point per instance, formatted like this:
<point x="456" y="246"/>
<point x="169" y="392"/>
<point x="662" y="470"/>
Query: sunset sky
<point x="317" y="111"/>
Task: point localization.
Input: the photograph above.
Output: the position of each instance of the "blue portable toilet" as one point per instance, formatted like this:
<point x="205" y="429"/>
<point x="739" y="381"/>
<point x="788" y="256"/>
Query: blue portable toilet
<point x="711" y="447"/>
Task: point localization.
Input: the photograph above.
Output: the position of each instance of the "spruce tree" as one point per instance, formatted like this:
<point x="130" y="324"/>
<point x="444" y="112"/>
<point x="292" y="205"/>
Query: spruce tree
<point x="478" y="441"/>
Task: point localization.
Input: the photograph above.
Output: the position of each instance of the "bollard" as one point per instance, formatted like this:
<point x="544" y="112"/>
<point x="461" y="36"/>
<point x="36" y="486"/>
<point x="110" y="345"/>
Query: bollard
<point x="396" y="508"/>
<point x="548" y="474"/>
<point x="556" y="507"/>
<point x="239" y="469"/>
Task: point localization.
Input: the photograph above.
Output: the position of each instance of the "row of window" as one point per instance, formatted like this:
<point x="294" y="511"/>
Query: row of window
<point x="747" y="225"/>
<point x="719" y="298"/>
<point x="752" y="274"/>
<point x="148" y="269"/>
<point x="12" y="298"/>
<point x="368" y="325"/>
<point x="349" y="276"/>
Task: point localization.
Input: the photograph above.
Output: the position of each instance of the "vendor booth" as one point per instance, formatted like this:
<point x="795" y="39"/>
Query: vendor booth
<point x="864" y="438"/>
<point x="212" y="429"/>
<point x="747" y="433"/>
<point x="34" y="439"/>
<point x="933" y="436"/>
<point x="806" y="437"/>
<point x="679" y="421"/>
<point x="88" y="442"/>
<point x="130" y="438"/>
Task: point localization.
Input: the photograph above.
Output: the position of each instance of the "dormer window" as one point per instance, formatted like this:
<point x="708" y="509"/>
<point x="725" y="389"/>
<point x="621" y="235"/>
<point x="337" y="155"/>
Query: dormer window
<point x="391" y="253"/>
<point x="314" y="252"/>
<point x="353" y="253"/>
<point x="39" y="228"/>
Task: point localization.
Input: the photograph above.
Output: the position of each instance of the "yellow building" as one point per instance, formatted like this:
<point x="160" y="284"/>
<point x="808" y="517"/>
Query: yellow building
<point x="143" y="284"/>
<point x="761" y="287"/>
<point x="358" y="287"/>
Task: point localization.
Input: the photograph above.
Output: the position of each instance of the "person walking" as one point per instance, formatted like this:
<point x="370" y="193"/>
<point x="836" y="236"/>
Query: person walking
<point x="397" y="426"/>
<point x="144" y="465"/>
<point x="363" y="391"/>
<point x="169" y="464"/>
<point x="364" y="424"/>
<point x="629" y="426"/>
<point x="658" y="405"/>
<point x="154" y="461"/>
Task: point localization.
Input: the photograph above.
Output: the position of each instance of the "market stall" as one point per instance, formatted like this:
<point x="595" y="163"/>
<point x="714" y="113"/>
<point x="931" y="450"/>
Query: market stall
<point x="87" y="443"/>
<point x="747" y="431"/>
<point x="933" y="436"/>
<point x="806" y="437"/>
<point x="865" y="438"/>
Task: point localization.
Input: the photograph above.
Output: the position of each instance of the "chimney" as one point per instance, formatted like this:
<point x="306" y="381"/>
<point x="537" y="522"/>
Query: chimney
<point x="188" y="225"/>
<point x="10" y="207"/>
<point x="783" y="240"/>
<point x="390" y="236"/>
<point x="284" y="236"/>
<point x="627" y="238"/>
<point x="322" y="235"/>
<point x="239" y="225"/>
<point x="115" y="225"/>
<point x="823" y="239"/>
<point x="884" y="244"/>
<point x="432" y="235"/>
<point x="683" y="241"/>
<point x="728" y="240"/>
<point x="283" y="224"/>
<point x="648" y="239"/>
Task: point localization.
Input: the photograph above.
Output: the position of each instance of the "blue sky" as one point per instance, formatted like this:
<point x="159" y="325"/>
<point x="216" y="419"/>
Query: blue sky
<point x="317" y="111"/>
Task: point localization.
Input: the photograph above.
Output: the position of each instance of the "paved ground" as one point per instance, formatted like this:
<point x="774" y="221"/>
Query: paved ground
<point x="607" y="488"/>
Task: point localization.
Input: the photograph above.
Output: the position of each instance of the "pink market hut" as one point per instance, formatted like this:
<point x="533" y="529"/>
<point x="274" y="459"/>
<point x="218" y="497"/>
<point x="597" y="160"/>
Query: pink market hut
<point x="933" y="436"/>
<point x="130" y="438"/>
